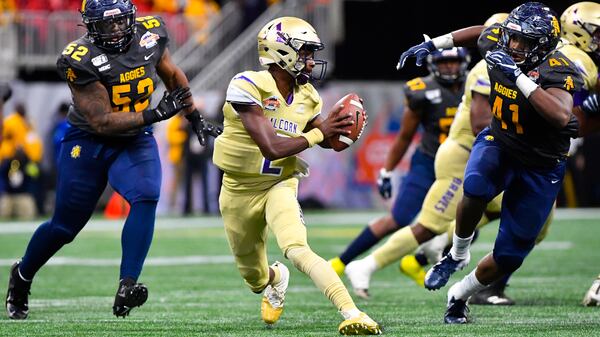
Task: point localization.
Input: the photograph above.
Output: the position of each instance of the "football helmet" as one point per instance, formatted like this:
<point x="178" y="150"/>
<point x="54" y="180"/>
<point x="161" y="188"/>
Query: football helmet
<point x="581" y="26"/>
<point x="537" y="27"/>
<point x="495" y="18"/>
<point x="459" y="54"/>
<point x="110" y="23"/>
<point x="280" y="42"/>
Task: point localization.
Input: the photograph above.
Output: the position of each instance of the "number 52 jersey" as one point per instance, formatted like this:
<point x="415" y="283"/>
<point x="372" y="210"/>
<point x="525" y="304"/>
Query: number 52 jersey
<point x="129" y="77"/>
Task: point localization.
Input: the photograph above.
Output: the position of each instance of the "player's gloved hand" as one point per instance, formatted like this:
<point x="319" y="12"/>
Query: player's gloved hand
<point x="419" y="51"/>
<point x="591" y="106"/>
<point x="202" y="128"/>
<point x="384" y="183"/>
<point x="170" y="104"/>
<point x="504" y="62"/>
<point x="5" y="92"/>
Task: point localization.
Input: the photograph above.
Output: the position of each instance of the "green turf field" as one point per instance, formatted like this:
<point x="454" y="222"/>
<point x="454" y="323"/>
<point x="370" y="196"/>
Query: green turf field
<point x="195" y="289"/>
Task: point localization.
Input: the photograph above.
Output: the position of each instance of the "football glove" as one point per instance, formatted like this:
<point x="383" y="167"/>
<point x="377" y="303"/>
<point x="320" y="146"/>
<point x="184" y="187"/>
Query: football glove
<point x="590" y="106"/>
<point x="5" y="92"/>
<point x="384" y="183"/>
<point x="202" y="128"/>
<point x="503" y="62"/>
<point x="419" y="51"/>
<point x="170" y="104"/>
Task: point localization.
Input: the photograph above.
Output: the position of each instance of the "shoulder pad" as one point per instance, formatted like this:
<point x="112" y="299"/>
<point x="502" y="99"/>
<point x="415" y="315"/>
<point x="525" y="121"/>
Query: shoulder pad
<point x="557" y="71"/>
<point x="75" y="63"/>
<point x="488" y="39"/>
<point x="416" y="84"/>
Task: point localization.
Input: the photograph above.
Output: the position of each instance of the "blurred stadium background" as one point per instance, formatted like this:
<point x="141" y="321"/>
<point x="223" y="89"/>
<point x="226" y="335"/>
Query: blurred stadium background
<point x="213" y="40"/>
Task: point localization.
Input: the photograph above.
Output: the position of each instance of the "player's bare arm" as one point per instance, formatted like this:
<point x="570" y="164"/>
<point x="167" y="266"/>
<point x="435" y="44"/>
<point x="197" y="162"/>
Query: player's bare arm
<point x="481" y="112"/>
<point x="92" y="100"/>
<point x="410" y="123"/>
<point x="173" y="76"/>
<point x="554" y="104"/>
<point x="275" y="147"/>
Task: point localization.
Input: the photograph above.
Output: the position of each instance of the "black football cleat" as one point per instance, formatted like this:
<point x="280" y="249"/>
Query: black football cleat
<point x="129" y="295"/>
<point x="457" y="312"/>
<point x="17" y="296"/>
<point x="492" y="295"/>
<point x="440" y="273"/>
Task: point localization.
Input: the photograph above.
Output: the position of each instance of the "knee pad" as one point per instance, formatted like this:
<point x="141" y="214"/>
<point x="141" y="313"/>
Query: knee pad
<point x="477" y="186"/>
<point x="146" y="189"/>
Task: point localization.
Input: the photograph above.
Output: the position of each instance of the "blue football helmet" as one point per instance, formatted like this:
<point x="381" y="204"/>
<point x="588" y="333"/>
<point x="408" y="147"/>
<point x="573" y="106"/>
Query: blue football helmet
<point x="459" y="54"/>
<point x="537" y="27"/>
<point x="110" y="23"/>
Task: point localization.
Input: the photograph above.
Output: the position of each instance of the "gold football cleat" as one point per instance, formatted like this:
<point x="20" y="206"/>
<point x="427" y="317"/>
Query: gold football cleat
<point x="360" y="325"/>
<point x="410" y="267"/>
<point x="271" y="306"/>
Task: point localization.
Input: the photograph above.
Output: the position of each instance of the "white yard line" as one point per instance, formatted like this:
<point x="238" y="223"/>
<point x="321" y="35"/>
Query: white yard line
<point x="329" y="218"/>
<point x="151" y="261"/>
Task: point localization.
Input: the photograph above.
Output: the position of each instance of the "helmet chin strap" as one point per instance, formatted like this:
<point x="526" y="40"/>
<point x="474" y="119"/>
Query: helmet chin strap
<point x="302" y="78"/>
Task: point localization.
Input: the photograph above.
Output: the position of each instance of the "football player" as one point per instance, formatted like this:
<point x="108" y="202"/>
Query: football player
<point x="270" y="116"/>
<point x="581" y="30"/>
<point x="522" y="153"/>
<point x="112" y="72"/>
<point x="431" y="102"/>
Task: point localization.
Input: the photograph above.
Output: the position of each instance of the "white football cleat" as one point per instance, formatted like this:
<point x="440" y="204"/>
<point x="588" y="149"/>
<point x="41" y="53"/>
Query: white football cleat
<point x="359" y="274"/>
<point x="271" y="306"/>
<point x="592" y="297"/>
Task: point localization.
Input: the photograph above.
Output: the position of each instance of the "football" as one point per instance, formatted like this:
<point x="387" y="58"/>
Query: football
<point x="352" y="104"/>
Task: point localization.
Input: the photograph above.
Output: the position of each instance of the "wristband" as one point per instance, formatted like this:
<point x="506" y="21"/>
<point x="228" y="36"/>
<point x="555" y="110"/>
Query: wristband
<point x="385" y="173"/>
<point x="444" y="41"/>
<point x="526" y="85"/>
<point x="314" y="136"/>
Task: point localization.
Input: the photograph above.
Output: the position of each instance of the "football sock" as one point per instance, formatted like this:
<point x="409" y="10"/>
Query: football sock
<point x="363" y="242"/>
<point x="137" y="237"/>
<point x="422" y="259"/>
<point x="306" y="261"/>
<point x="45" y="242"/>
<point x="466" y="287"/>
<point x="460" y="247"/>
<point x="276" y="275"/>
<point x="401" y="243"/>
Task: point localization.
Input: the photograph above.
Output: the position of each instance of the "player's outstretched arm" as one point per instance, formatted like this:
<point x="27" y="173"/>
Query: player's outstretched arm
<point x="481" y="112"/>
<point x="465" y="37"/>
<point x="93" y="102"/>
<point x="274" y="147"/>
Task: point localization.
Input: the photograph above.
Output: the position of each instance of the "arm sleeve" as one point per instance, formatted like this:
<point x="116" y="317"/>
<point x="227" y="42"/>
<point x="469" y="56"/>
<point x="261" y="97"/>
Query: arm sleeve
<point x="559" y="75"/>
<point x="415" y="98"/>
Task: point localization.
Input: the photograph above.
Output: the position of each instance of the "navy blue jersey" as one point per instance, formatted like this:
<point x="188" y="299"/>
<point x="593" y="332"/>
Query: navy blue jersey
<point x="436" y="105"/>
<point x="129" y="77"/>
<point x="529" y="138"/>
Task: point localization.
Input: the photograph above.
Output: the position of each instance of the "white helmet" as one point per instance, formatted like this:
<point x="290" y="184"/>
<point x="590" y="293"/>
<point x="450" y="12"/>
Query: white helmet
<point x="280" y="41"/>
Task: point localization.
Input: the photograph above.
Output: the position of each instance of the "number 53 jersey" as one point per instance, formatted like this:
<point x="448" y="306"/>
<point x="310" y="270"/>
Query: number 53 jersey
<point x="528" y="137"/>
<point x="129" y="77"/>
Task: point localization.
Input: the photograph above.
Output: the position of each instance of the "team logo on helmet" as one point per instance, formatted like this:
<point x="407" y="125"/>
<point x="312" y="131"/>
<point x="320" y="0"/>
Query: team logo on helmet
<point x="76" y="152"/>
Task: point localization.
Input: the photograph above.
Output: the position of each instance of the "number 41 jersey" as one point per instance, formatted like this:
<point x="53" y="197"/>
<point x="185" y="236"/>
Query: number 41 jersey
<point x="528" y="137"/>
<point x="129" y="77"/>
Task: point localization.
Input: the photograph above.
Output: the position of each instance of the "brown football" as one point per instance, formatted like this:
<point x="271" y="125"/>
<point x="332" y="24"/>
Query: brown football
<point x="354" y="105"/>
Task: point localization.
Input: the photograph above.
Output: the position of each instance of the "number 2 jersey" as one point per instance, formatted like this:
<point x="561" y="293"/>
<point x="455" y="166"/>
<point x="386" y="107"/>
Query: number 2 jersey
<point x="129" y="77"/>
<point x="238" y="155"/>
<point x="436" y="105"/>
<point x="529" y="138"/>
